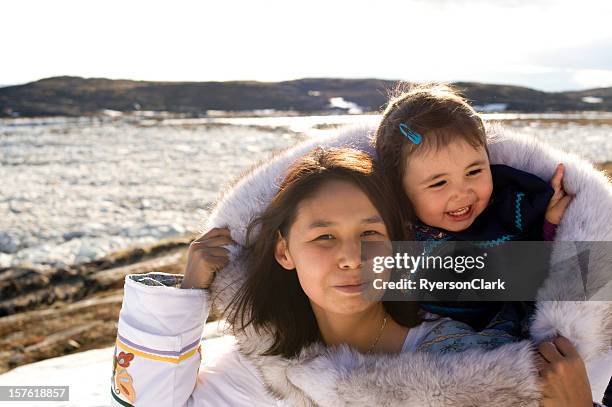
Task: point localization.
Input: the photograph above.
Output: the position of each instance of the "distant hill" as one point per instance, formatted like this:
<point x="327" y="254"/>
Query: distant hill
<point x="75" y="96"/>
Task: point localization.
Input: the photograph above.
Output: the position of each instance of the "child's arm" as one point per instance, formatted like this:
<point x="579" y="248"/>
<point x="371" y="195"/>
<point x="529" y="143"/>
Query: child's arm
<point x="557" y="205"/>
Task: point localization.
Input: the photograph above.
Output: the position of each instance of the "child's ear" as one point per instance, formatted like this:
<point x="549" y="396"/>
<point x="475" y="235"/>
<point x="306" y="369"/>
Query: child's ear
<point x="281" y="253"/>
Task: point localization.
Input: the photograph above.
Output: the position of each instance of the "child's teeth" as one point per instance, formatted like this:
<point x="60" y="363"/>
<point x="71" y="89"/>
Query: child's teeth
<point x="461" y="211"/>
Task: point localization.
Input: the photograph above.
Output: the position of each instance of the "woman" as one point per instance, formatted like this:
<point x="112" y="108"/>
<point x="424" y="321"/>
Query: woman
<point x="304" y="287"/>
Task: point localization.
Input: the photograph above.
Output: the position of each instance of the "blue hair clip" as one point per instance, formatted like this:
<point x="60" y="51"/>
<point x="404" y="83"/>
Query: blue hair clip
<point x="412" y="135"/>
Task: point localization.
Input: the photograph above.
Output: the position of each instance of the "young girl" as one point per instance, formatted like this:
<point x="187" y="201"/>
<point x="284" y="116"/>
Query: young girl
<point x="304" y="286"/>
<point x="433" y="147"/>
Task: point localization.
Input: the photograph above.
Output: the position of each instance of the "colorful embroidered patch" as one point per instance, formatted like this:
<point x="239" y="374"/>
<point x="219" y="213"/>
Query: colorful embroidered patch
<point x="122" y="383"/>
<point x="125" y="384"/>
<point x="124" y="359"/>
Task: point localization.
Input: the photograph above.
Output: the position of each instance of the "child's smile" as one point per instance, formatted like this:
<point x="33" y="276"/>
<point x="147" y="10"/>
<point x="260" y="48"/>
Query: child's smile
<point x="450" y="187"/>
<point x="461" y="213"/>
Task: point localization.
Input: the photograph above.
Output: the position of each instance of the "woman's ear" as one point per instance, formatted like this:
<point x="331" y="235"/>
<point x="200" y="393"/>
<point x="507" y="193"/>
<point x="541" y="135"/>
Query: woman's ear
<point x="281" y="253"/>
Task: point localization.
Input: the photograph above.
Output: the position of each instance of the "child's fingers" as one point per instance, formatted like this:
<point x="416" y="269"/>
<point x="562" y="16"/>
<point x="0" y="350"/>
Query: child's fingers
<point x="564" y="202"/>
<point x="557" y="178"/>
<point x="557" y="195"/>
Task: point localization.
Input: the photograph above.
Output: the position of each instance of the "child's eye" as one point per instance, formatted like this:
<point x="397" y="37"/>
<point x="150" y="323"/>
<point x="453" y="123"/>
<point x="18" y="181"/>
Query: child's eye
<point x="437" y="184"/>
<point x="370" y="233"/>
<point x="474" y="172"/>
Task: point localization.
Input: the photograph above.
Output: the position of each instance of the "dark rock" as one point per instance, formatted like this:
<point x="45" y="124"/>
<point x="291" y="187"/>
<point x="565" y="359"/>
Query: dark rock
<point x="73" y="235"/>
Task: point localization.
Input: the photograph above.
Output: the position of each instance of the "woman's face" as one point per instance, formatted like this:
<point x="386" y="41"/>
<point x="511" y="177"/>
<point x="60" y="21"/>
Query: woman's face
<point x="324" y="246"/>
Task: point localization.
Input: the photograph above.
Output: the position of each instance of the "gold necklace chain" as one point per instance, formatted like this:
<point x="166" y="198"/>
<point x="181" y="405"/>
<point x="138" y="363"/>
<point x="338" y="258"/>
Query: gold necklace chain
<point x="382" y="327"/>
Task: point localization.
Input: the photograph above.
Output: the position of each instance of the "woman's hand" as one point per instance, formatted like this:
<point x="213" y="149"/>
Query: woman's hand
<point x="560" y="199"/>
<point x="205" y="257"/>
<point x="563" y="376"/>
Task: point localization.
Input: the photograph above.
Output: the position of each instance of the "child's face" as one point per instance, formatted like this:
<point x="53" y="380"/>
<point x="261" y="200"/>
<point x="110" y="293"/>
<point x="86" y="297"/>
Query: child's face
<point x="449" y="188"/>
<point x="324" y="246"/>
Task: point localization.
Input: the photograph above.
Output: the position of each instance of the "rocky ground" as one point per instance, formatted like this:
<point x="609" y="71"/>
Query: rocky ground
<point x="607" y="168"/>
<point x="53" y="312"/>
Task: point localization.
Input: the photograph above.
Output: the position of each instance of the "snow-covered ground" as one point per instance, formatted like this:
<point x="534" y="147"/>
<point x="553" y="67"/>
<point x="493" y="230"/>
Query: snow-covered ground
<point x="88" y="374"/>
<point x="75" y="189"/>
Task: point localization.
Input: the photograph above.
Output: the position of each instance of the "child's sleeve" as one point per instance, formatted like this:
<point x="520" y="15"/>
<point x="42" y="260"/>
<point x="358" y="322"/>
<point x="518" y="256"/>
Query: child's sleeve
<point x="549" y="230"/>
<point x="157" y="351"/>
<point x="451" y="336"/>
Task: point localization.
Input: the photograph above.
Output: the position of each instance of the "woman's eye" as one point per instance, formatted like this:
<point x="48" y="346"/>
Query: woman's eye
<point x="370" y="233"/>
<point x="474" y="172"/>
<point x="437" y="184"/>
<point x="325" y="237"/>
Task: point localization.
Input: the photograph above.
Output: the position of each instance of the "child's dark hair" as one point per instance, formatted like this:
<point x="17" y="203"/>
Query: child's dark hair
<point x="272" y="297"/>
<point x="436" y="111"/>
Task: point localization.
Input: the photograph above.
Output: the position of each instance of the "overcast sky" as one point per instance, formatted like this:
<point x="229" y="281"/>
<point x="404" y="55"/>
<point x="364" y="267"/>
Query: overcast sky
<point x="544" y="44"/>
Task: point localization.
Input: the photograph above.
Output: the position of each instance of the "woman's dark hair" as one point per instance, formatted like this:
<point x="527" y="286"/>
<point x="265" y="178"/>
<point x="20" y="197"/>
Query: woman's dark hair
<point x="271" y="298"/>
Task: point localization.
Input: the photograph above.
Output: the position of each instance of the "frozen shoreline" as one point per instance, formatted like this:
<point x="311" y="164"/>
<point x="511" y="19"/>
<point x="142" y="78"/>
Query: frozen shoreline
<point x="72" y="193"/>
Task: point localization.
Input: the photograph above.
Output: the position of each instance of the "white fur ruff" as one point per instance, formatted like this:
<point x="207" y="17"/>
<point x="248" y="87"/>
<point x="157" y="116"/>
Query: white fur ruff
<point x="503" y="377"/>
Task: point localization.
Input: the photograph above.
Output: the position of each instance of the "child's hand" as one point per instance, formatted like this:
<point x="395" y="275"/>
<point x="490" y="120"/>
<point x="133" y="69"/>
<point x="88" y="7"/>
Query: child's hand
<point x="560" y="200"/>
<point x="205" y="257"/>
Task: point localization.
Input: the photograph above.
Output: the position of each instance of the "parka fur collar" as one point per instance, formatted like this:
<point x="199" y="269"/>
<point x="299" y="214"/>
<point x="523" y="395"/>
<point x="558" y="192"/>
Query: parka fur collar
<point x="505" y="376"/>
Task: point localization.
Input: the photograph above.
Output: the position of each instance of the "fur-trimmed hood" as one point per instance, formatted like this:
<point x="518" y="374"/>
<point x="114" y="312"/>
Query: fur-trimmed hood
<point x="505" y="376"/>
